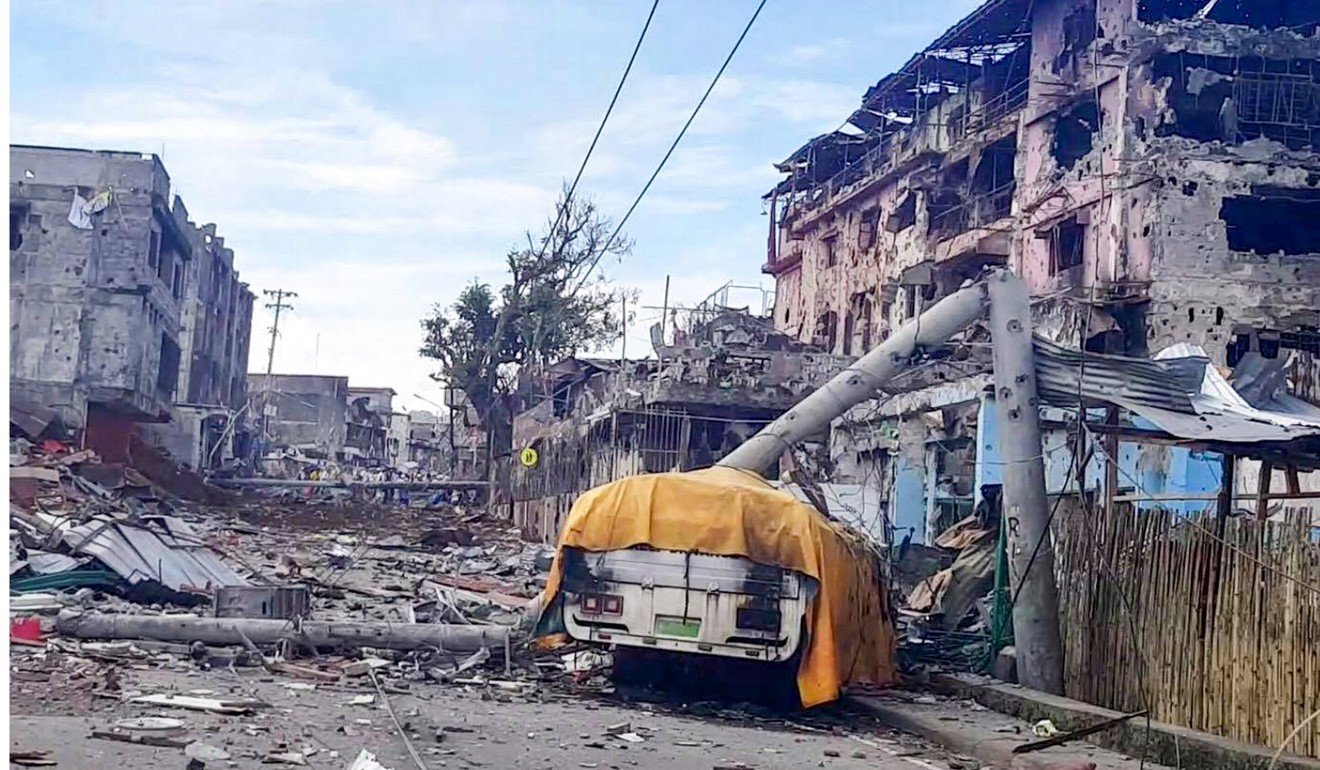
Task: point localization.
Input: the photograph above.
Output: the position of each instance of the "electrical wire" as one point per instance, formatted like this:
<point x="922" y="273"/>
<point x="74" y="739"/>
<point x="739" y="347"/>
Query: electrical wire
<point x="568" y="197"/>
<point x="682" y="132"/>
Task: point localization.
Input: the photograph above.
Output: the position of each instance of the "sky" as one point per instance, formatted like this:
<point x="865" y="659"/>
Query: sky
<point x="377" y="157"/>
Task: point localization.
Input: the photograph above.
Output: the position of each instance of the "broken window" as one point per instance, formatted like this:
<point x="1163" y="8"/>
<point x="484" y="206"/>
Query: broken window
<point x="994" y="182"/>
<point x="153" y="251"/>
<point x="947" y="202"/>
<point x="15" y="227"/>
<point x="831" y="251"/>
<point x="1074" y="133"/>
<point x="904" y="214"/>
<point x="827" y="330"/>
<point x="1273" y="220"/>
<point x="910" y="304"/>
<point x="1262" y="14"/>
<point x="167" y="377"/>
<point x="1234" y="99"/>
<point x="1079" y="31"/>
<point x="866" y="229"/>
<point x="866" y="325"/>
<point x="1066" y="241"/>
<point x="849" y="328"/>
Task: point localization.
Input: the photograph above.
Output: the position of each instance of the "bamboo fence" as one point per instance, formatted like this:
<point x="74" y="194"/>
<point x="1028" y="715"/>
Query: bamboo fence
<point x="1225" y="616"/>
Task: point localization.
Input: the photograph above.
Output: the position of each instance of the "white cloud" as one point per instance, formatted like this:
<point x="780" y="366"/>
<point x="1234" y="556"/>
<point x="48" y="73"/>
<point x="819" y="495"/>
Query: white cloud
<point x="371" y="217"/>
<point x="801" y="54"/>
<point x="374" y="215"/>
<point x="811" y="102"/>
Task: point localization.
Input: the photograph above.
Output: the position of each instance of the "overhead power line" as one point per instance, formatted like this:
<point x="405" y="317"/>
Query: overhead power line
<point x="568" y="199"/>
<point x="619" y="228"/>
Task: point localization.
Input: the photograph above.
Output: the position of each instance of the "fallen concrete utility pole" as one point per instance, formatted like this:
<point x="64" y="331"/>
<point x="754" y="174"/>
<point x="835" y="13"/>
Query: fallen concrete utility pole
<point x="328" y="484"/>
<point x="316" y="633"/>
<point x="1036" y="612"/>
<point x="860" y="381"/>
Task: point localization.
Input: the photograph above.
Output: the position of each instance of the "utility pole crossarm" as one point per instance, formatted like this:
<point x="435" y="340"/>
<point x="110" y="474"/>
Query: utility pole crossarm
<point x="278" y="305"/>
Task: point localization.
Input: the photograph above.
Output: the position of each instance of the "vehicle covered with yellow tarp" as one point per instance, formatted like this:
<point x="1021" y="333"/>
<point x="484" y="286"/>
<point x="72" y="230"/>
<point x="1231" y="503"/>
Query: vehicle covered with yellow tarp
<point x="726" y="517"/>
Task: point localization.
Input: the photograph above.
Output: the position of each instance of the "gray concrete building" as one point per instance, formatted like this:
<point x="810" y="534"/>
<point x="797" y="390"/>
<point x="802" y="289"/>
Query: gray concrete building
<point x="122" y="311"/>
<point x="304" y="413"/>
<point x="369" y="415"/>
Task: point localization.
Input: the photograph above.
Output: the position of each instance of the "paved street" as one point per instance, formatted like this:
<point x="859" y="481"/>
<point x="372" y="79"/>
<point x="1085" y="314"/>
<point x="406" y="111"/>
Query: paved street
<point x="478" y="728"/>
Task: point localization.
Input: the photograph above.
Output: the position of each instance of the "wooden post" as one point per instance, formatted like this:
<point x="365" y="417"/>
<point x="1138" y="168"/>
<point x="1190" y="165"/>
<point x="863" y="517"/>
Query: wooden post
<point x="1263" y="490"/>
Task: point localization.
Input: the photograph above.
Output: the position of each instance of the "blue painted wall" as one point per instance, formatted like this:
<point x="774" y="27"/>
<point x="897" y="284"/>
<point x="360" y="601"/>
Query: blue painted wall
<point x="1156" y="469"/>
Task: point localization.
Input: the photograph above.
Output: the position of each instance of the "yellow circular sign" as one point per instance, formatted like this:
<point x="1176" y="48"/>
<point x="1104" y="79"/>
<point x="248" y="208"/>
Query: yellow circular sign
<point x="529" y="457"/>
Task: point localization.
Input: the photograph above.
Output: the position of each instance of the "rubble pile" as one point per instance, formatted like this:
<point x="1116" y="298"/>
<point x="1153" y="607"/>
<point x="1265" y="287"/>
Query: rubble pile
<point x="77" y="522"/>
<point x="117" y="582"/>
<point x="946" y="617"/>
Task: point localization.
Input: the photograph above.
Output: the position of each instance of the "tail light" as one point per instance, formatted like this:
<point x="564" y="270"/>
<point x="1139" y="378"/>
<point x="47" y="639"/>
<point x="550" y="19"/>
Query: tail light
<point x="758" y="618"/>
<point x="602" y="604"/>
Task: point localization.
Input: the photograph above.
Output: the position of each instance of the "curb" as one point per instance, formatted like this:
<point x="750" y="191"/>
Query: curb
<point x="989" y="748"/>
<point x="1166" y="744"/>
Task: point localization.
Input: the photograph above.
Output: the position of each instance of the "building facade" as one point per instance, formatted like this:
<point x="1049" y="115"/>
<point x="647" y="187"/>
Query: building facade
<point x="1152" y="173"/>
<point x="301" y="414"/>
<point x="1151" y="169"/>
<point x="123" y="312"/>
<point x="590" y="421"/>
<point x="1153" y="176"/>
<point x="369" y="416"/>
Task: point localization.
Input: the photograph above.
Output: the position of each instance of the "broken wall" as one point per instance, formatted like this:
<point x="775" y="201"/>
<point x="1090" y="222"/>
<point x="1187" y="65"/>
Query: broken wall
<point x="302" y="411"/>
<point x="94" y="293"/>
<point x="684" y="412"/>
<point x="216" y="321"/>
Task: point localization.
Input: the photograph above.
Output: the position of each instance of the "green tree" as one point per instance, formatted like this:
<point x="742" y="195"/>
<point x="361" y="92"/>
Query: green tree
<point x="553" y="305"/>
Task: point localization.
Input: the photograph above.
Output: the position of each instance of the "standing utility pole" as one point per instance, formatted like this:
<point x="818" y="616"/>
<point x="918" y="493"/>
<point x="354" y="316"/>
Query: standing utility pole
<point x="1026" y="515"/>
<point x="279" y="304"/>
<point x="1026" y="509"/>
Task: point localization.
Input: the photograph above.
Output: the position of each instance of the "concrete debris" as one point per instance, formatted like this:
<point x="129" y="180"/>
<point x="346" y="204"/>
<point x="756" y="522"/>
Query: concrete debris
<point x="196" y="703"/>
<point x="31" y="758"/>
<point x="204" y="751"/>
<point x="1044" y="728"/>
<point x="314" y="633"/>
<point x="150" y="723"/>
<point x="365" y="760"/>
<point x="141" y="739"/>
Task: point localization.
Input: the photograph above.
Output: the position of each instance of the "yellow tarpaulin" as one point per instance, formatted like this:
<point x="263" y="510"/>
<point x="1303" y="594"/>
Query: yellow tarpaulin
<point x="730" y="512"/>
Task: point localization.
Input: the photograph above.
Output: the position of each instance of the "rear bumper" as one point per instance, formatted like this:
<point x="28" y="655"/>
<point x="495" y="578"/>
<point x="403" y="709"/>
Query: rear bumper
<point x="684" y="602"/>
<point x="771" y="650"/>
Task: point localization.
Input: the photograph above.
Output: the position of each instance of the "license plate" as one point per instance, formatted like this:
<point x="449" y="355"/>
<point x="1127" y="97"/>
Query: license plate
<point x="686" y="628"/>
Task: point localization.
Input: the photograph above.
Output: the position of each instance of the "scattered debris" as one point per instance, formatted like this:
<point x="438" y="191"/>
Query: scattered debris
<point x="366" y="761"/>
<point x="31" y="758"/>
<point x="204" y="751"/>
<point x="1044" y="729"/>
<point x="141" y="739"/>
<point x="195" y="703"/>
<point x="150" y="723"/>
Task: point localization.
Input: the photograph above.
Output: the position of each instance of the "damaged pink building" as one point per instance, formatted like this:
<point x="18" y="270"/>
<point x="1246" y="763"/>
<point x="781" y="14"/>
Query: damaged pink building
<point x="1150" y="167"/>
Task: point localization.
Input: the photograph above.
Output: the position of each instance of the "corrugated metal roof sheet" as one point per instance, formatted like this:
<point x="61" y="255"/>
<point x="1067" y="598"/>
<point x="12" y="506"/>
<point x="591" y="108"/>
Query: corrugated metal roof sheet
<point x="1179" y="391"/>
<point x="1114" y="379"/>
<point x="140" y="553"/>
